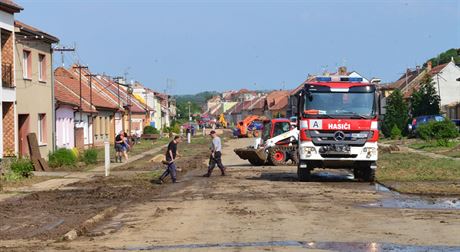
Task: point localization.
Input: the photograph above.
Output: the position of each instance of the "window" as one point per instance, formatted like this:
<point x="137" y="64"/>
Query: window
<point x="27" y="65"/>
<point x="41" y="67"/>
<point x="42" y="129"/>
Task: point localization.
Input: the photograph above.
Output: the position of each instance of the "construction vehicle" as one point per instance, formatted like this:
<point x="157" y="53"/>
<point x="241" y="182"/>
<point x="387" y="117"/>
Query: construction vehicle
<point x="338" y="125"/>
<point x="276" y="146"/>
<point x="222" y="121"/>
<point x="242" y="126"/>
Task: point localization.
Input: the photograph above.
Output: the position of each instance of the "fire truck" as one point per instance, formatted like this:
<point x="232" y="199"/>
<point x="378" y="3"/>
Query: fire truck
<point x="338" y="126"/>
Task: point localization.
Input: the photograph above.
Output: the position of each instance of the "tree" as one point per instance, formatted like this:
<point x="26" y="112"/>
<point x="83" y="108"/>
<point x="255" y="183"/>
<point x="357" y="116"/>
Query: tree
<point x="426" y="100"/>
<point x="396" y="113"/>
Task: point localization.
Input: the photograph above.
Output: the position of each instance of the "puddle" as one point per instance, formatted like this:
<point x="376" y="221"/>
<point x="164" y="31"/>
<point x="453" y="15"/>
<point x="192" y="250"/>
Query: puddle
<point x="331" y="246"/>
<point x="413" y="202"/>
<point x="382" y="188"/>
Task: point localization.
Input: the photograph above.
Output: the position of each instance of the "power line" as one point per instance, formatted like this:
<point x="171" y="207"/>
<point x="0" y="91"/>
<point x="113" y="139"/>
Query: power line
<point x="62" y="50"/>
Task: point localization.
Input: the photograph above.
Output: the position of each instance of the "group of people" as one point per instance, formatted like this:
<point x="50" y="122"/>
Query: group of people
<point x="121" y="146"/>
<point x="214" y="159"/>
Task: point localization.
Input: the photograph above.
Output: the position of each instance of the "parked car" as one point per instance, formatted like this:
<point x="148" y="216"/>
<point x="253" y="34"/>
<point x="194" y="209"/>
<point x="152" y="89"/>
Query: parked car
<point x="420" y="120"/>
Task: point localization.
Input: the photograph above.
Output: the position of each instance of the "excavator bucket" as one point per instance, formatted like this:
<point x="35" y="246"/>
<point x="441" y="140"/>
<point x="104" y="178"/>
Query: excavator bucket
<point x="254" y="156"/>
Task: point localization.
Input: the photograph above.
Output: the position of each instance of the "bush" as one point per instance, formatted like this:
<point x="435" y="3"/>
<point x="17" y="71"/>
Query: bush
<point x="441" y="131"/>
<point x="150" y="130"/>
<point x="395" y="132"/>
<point x="89" y="156"/>
<point x="62" y="157"/>
<point x="22" y="167"/>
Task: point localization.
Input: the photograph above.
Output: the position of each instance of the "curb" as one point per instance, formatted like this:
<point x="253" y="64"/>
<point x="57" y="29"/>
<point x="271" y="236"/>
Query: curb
<point x="74" y="233"/>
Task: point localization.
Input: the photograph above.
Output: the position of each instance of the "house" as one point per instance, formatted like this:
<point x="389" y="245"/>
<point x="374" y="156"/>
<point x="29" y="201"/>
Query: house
<point x="445" y="81"/>
<point x="8" y="124"/>
<point x="277" y="103"/>
<point x="93" y="128"/>
<point x="33" y="78"/>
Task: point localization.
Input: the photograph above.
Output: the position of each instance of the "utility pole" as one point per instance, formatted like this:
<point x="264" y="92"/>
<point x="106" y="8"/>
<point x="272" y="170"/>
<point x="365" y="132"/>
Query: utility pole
<point x="91" y="97"/>
<point x="62" y="50"/>
<point x="81" y="97"/>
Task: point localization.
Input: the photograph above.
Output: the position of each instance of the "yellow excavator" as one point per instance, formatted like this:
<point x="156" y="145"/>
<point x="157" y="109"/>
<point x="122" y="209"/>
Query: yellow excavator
<point x="222" y="121"/>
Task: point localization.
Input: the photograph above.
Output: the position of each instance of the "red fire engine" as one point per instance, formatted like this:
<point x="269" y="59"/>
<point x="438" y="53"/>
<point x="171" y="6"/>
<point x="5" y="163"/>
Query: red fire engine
<point x="338" y="123"/>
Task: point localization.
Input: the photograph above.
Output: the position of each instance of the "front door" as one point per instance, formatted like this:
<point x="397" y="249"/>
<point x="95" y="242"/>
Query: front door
<point x="23" y="130"/>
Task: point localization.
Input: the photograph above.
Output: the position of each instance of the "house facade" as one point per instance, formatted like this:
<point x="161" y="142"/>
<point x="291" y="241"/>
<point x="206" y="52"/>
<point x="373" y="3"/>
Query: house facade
<point x="34" y="79"/>
<point x="8" y="124"/>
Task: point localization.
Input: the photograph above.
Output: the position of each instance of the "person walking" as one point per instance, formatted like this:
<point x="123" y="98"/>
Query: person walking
<point x="216" y="155"/>
<point x="119" y="141"/>
<point x="171" y="154"/>
<point x="126" y="145"/>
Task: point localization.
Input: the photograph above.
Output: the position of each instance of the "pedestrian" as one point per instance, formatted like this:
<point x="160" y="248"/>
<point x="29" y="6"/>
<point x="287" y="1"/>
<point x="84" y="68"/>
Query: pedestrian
<point x="119" y="146"/>
<point x="171" y="154"/>
<point x="216" y="155"/>
<point x="126" y="145"/>
<point x="193" y="130"/>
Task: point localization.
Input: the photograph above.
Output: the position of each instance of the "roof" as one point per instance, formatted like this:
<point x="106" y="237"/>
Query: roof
<point x="69" y="80"/>
<point x="278" y="100"/>
<point x="10" y="6"/>
<point x="439" y="68"/>
<point x="258" y="103"/>
<point x="64" y="95"/>
<point x="25" y="29"/>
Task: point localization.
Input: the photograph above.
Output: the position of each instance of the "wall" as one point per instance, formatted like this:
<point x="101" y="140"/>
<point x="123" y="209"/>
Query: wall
<point x="447" y="85"/>
<point x="85" y="123"/>
<point x="65" y="127"/>
<point x="27" y="90"/>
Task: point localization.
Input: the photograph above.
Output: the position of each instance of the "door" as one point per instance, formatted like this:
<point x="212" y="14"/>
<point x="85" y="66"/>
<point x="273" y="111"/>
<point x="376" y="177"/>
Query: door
<point x="79" y="138"/>
<point x="23" y="130"/>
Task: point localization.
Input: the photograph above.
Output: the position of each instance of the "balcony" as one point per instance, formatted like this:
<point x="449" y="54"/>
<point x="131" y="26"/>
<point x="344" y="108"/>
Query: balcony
<point x="7" y="76"/>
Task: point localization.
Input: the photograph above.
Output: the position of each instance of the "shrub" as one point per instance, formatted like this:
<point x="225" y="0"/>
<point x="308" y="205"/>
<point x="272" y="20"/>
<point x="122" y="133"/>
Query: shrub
<point x="22" y="167"/>
<point x="150" y="130"/>
<point x="395" y="132"/>
<point x="62" y="157"/>
<point x="441" y="131"/>
<point x="89" y="156"/>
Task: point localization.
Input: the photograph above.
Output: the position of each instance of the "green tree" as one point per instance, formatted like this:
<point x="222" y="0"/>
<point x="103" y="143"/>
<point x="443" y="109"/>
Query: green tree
<point x="396" y="113"/>
<point x="426" y="100"/>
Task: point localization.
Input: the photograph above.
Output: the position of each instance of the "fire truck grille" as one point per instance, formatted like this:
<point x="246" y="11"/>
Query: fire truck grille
<point x="328" y="137"/>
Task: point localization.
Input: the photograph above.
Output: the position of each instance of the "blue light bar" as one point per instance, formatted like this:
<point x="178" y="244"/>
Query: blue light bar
<point x="355" y="79"/>
<point x="323" y="79"/>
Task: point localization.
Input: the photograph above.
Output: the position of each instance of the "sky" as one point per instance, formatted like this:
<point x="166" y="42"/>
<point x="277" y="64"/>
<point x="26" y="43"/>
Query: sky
<point x="185" y="47"/>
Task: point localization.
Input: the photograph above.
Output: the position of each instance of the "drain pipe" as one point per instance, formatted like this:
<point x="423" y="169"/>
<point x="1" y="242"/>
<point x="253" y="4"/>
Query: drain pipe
<point x="53" y="105"/>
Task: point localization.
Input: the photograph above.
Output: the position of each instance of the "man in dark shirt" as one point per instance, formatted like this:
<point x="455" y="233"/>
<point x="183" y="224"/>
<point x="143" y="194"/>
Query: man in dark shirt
<point x="119" y="146"/>
<point x="171" y="154"/>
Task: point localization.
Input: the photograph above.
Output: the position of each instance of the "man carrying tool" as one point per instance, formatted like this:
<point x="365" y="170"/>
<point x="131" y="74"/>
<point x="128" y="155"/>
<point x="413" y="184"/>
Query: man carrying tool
<point x="171" y="154"/>
<point x="216" y="155"/>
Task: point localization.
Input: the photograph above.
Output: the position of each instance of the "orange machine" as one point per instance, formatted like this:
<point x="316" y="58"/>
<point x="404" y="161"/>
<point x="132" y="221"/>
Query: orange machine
<point x="242" y="126"/>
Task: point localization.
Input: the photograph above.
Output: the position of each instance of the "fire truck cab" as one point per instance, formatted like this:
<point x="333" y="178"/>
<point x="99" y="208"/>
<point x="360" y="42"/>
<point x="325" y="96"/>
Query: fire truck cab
<point x="338" y="126"/>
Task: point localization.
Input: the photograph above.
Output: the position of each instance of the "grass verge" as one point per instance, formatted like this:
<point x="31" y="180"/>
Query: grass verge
<point x="415" y="173"/>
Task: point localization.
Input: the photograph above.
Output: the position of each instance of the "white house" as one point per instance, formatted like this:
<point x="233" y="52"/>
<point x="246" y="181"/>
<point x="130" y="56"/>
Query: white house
<point x="445" y="81"/>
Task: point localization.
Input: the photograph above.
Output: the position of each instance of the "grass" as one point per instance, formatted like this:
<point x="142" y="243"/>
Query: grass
<point x="433" y="146"/>
<point x="415" y="167"/>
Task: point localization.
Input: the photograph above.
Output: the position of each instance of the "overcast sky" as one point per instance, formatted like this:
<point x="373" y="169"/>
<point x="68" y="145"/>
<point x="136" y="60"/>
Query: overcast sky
<point x="221" y="45"/>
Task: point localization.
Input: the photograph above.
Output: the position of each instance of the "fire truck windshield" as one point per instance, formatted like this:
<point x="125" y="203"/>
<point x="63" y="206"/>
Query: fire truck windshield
<point x="339" y="105"/>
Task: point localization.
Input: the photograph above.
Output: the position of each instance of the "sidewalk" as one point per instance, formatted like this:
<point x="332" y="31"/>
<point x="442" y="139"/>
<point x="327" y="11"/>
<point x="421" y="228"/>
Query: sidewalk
<point x="67" y="178"/>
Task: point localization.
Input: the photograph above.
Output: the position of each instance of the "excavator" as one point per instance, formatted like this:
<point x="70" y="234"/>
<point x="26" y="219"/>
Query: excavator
<point x="242" y="126"/>
<point x="222" y="121"/>
<point x="276" y="146"/>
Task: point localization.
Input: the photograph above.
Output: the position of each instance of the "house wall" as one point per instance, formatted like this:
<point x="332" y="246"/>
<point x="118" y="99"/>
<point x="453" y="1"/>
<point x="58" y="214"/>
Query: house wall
<point x="8" y="126"/>
<point x="118" y="121"/>
<point x="65" y="127"/>
<point x="102" y="127"/>
<point x="447" y="85"/>
<point x="84" y="122"/>
<point x="27" y="90"/>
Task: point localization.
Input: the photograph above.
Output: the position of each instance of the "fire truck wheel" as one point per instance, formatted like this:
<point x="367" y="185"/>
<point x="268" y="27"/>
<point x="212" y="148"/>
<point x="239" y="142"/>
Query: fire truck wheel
<point x="304" y="174"/>
<point x="358" y="173"/>
<point x="368" y="174"/>
<point x="277" y="157"/>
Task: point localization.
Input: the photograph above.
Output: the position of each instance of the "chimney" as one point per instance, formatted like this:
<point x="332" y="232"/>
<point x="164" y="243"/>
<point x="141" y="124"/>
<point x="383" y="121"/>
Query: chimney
<point x="429" y="66"/>
<point x="342" y="71"/>
<point x="417" y="68"/>
<point x="408" y="72"/>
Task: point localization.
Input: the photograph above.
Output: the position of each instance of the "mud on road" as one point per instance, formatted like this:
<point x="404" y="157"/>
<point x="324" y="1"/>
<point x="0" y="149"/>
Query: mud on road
<point x="266" y="208"/>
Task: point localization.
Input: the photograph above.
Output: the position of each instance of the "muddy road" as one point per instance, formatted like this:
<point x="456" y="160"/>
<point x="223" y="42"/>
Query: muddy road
<point x="266" y="208"/>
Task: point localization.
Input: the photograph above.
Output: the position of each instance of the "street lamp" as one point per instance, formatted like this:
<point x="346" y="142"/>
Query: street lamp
<point x="189" y="114"/>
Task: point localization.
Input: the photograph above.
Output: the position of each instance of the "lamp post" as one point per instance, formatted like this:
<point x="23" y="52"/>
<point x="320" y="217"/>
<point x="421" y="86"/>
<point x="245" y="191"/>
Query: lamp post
<point x="189" y="114"/>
